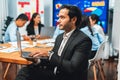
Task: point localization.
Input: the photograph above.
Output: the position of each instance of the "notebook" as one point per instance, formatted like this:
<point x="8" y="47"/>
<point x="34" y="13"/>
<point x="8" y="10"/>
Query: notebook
<point x="47" y="32"/>
<point x="24" y="54"/>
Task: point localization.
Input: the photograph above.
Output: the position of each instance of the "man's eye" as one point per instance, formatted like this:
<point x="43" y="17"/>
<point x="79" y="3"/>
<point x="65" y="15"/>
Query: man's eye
<point x="62" y="17"/>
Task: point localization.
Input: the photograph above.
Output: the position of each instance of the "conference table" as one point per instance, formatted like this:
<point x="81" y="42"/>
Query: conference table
<point x="15" y="56"/>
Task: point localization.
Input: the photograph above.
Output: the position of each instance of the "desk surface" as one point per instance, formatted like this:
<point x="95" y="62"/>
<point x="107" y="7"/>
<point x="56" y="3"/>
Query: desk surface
<point x="15" y="57"/>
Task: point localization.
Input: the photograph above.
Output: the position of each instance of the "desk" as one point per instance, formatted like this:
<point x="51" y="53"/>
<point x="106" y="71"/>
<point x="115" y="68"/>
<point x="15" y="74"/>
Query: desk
<point x="15" y="57"/>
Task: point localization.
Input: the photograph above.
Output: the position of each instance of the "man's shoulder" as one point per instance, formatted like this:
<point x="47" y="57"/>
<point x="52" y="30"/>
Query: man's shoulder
<point x="11" y="27"/>
<point x="83" y="36"/>
<point x="81" y="33"/>
<point x="12" y="24"/>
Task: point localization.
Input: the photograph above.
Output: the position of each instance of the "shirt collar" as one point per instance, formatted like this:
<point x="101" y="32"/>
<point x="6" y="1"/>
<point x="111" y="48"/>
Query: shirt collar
<point x="67" y="35"/>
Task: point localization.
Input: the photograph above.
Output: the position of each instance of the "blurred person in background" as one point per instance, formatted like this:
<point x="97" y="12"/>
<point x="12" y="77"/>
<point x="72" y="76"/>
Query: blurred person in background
<point x="10" y="34"/>
<point x="94" y="19"/>
<point x="92" y="33"/>
<point x="34" y="27"/>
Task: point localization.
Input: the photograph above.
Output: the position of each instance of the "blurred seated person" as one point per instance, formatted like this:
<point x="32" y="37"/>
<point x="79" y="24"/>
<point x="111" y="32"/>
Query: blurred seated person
<point x="34" y="27"/>
<point x="93" y="34"/>
<point x="94" y="19"/>
<point x="10" y="34"/>
<point x="57" y="32"/>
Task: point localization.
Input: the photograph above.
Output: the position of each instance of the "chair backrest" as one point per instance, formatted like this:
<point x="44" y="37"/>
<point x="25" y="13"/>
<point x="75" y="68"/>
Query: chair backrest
<point x="100" y="52"/>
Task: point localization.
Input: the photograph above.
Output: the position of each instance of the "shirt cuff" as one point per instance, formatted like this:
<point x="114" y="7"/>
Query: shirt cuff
<point x="37" y="62"/>
<point x="50" y="53"/>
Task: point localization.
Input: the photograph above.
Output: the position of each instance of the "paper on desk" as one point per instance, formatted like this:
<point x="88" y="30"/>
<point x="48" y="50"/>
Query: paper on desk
<point x="13" y="44"/>
<point x="9" y="50"/>
<point x="46" y="41"/>
<point x="50" y="44"/>
<point x="12" y="49"/>
<point x="24" y="44"/>
<point x="2" y="47"/>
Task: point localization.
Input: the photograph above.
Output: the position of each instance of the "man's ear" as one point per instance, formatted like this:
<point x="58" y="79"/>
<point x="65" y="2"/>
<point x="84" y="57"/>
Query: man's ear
<point x="74" y="19"/>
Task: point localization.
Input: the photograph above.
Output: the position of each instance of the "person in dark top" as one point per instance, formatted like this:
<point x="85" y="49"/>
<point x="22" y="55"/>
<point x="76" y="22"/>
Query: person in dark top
<point x="34" y="27"/>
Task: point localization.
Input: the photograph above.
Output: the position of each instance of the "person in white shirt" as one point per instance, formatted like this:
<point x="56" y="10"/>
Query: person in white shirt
<point x="10" y="34"/>
<point x="94" y="23"/>
<point x="93" y="34"/>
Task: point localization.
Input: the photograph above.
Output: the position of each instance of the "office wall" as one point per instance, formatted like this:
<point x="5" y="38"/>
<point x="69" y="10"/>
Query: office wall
<point x="48" y="12"/>
<point x="12" y="8"/>
<point x="47" y="21"/>
<point x="118" y="76"/>
<point x="116" y="33"/>
<point x="3" y="14"/>
<point x="111" y="3"/>
<point x="116" y="25"/>
<point x="48" y="6"/>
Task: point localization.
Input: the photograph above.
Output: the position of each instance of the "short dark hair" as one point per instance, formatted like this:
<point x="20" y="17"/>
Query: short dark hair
<point x="23" y="17"/>
<point x="74" y="11"/>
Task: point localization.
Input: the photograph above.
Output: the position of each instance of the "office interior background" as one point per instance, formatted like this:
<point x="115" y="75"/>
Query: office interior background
<point x="13" y="8"/>
<point x="45" y="7"/>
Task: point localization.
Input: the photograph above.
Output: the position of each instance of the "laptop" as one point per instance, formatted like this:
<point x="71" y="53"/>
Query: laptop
<point x="47" y="32"/>
<point x="24" y="54"/>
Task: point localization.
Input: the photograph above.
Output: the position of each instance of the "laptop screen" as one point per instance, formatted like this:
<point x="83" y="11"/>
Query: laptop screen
<point x="24" y="54"/>
<point x="47" y="32"/>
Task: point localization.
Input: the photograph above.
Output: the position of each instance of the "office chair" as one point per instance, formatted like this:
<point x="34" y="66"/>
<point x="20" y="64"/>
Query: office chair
<point x="96" y="62"/>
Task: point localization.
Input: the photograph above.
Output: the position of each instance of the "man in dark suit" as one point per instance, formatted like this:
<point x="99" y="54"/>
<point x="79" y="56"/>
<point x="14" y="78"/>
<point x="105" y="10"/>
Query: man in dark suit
<point x="68" y="60"/>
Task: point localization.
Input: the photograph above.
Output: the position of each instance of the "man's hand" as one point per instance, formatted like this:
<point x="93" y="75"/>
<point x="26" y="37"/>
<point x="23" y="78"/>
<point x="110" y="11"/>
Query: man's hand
<point x="38" y="54"/>
<point x="26" y="38"/>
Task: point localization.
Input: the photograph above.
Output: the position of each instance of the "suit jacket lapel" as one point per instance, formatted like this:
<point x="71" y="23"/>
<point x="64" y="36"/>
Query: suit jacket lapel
<point x="57" y="44"/>
<point x="69" y="41"/>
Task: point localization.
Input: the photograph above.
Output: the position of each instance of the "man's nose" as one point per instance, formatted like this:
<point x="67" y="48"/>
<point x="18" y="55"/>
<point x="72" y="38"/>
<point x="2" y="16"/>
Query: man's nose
<point x="59" y="20"/>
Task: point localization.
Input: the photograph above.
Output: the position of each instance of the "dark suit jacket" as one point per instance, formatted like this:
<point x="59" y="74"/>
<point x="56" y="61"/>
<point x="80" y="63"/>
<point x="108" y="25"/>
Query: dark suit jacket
<point x="73" y="63"/>
<point x="30" y="29"/>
